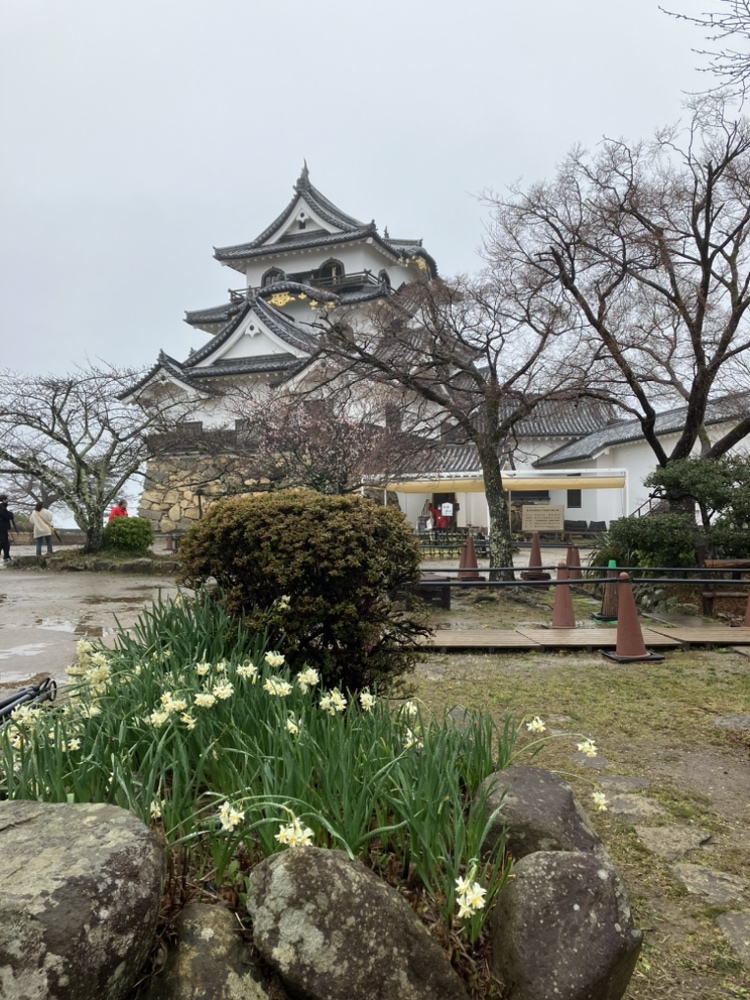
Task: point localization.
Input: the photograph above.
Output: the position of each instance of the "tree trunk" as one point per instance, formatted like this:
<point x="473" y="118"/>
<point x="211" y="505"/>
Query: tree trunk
<point x="501" y="542"/>
<point x="94" y="532"/>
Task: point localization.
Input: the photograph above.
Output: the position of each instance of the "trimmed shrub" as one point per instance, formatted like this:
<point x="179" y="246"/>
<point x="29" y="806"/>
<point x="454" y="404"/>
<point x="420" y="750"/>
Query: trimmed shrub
<point x="133" y="535"/>
<point x="653" y="540"/>
<point x="318" y="571"/>
<point x="729" y="539"/>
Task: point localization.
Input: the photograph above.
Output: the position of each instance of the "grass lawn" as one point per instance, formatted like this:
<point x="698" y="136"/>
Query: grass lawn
<point x="652" y="721"/>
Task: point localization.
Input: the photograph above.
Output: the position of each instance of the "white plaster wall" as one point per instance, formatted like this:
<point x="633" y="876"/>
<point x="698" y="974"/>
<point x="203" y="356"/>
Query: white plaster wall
<point x="355" y="257"/>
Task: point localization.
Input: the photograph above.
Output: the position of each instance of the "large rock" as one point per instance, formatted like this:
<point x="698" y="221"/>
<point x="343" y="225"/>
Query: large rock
<point x="540" y="812"/>
<point x="80" y="894"/>
<point x="561" y="929"/>
<point x="562" y="926"/>
<point x="335" y="931"/>
<point x="210" y="961"/>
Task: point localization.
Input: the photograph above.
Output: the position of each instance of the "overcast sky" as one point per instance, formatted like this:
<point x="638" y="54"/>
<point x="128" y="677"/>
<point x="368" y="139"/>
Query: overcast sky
<point x="137" y="136"/>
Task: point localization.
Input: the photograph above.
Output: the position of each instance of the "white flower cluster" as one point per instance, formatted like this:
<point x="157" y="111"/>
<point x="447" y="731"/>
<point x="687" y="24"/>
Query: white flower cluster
<point x="276" y="687"/>
<point x="292" y="725"/>
<point x="169" y="705"/>
<point x="333" y="702"/>
<point x="230" y="817"/>
<point x="366" y="700"/>
<point x="600" y="801"/>
<point x="91" y="667"/>
<point x="294" y="834"/>
<point x="470" y="896"/>
<point x="248" y="671"/>
<point x="412" y="740"/>
<point x="536" y="725"/>
<point x="587" y="747"/>
<point x="306" y="679"/>
<point x="274" y="660"/>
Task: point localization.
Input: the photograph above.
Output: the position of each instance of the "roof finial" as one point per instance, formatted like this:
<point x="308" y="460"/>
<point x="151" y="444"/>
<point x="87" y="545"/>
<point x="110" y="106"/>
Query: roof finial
<point x="304" y="177"/>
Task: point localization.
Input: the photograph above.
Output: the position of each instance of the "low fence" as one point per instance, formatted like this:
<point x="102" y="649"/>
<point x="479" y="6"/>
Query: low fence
<point x="717" y="579"/>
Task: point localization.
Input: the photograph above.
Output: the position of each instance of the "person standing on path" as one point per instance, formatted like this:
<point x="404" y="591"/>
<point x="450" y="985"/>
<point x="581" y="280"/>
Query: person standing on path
<point x="6" y="522"/>
<point x="41" y="522"/>
<point x="120" y="509"/>
<point x="439" y="520"/>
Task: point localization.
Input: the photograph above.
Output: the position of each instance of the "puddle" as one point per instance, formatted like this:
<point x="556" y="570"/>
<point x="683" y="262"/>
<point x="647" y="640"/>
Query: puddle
<point x="93" y="631"/>
<point x="31" y="649"/>
<point x="117" y="600"/>
<point x="81" y="627"/>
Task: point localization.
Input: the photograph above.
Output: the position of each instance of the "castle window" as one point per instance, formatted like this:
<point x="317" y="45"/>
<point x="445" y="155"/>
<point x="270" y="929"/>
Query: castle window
<point x="331" y="272"/>
<point x="271" y="277"/>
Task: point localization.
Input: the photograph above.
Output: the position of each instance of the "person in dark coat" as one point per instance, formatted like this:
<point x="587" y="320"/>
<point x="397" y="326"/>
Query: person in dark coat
<point x="7" y="521"/>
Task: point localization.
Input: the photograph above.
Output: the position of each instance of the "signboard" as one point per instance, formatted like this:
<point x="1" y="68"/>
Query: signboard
<point x="542" y="517"/>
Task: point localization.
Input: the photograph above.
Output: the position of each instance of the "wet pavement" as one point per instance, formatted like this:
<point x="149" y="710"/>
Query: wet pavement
<point x="43" y="615"/>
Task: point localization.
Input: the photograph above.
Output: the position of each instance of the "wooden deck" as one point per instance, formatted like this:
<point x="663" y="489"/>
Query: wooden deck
<point x="523" y="637"/>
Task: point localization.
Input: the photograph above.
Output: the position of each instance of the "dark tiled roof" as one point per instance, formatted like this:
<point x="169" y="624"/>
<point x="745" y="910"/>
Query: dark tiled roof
<point x="625" y="431"/>
<point x="318" y="201"/>
<point x="214" y="315"/>
<point x="244" y="366"/>
<point x="564" y="419"/>
<point x="351" y="230"/>
<point x="282" y="326"/>
<point x="451" y="459"/>
<point x="249" y="251"/>
<point x="550" y="419"/>
<point x="164" y="364"/>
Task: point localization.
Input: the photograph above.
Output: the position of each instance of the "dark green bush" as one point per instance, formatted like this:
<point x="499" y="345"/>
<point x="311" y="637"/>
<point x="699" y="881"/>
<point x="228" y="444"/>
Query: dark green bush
<point x="338" y="559"/>
<point x="133" y="535"/>
<point x="653" y="540"/>
<point x="729" y="539"/>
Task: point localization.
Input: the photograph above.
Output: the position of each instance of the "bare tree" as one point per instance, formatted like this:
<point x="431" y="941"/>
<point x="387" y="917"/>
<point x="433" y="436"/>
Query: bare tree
<point x="729" y="23"/>
<point x="24" y="491"/>
<point x="467" y="361"/>
<point x="297" y="440"/>
<point x="646" y="248"/>
<point x="75" y="440"/>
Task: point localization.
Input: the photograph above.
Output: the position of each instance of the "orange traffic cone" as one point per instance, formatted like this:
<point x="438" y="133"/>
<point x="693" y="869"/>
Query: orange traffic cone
<point x="630" y="646"/>
<point x="467" y="565"/>
<point x="573" y="559"/>
<point x="534" y="572"/>
<point x="608" y="610"/>
<point x="562" y="612"/>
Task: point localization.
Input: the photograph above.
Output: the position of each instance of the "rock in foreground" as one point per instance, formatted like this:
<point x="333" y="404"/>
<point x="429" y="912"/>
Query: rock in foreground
<point x="334" y="931"/>
<point x="80" y="893"/>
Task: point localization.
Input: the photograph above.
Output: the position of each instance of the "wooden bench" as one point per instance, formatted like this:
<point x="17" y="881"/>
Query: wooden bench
<point x="712" y="591"/>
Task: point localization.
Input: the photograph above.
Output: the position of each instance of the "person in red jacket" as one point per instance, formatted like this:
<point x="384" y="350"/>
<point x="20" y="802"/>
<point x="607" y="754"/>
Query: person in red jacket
<point x="439" y="520"/>
<point x="120" y="509"/>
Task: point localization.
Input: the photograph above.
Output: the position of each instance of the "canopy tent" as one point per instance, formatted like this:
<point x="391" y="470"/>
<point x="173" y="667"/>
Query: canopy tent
<point x="514" y="482"/>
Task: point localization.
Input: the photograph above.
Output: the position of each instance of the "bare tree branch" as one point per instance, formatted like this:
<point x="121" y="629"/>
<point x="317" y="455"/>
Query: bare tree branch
<point x="648" y="247"/>
<point x="467" y="361"/>
<point x="74" y="439"/>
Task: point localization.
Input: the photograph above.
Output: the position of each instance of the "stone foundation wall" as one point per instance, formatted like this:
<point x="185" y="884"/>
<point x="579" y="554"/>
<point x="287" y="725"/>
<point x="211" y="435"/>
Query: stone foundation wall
<point x="179" y="489"/>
